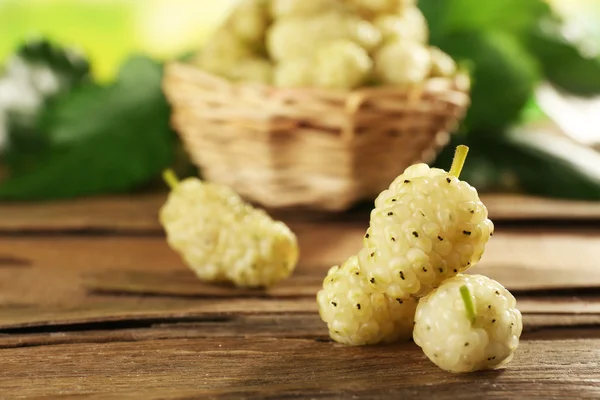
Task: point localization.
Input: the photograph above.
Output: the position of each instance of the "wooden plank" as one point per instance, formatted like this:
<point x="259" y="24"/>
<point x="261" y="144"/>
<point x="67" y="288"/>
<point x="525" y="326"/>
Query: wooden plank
<point x="108" y="309"/>
<point x="115" y="214"/>
<point x="286" y="325"/>
<point x="562" y="261"/>
<point x="290" y="368"/>
<point x="63" y="268"/>
<point x="542" y="312"/>
<point x="83" y="278"/>
<point x="138" y="214"/>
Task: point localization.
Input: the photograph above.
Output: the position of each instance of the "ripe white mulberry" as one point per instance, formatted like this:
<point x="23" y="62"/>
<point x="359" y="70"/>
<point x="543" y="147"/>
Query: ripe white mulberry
<point x="469" y="323"/>
<point x="428" y="226"/>
<point x="302" y="8"/>
<point x="249" y="20"/>
<point x="341" y="64"/>
<point x="293" y="37"/>
<point x="370" y="8"/>
<point x="401" y="62"/>
<point x="410" y="24"/>
<point x="294" y="73"/>
<point x="441" y="63"/>
<point x="252" y="69"/>
<point x="222" y="53"/>
<point x="356" y="315"/>
<point x="223" y="239"/>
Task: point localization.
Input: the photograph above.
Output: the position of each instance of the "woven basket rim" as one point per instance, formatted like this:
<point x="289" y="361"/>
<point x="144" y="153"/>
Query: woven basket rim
<point x="460" y="81"/>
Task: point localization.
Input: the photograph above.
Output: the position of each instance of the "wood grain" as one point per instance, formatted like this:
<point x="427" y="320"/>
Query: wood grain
<point x="93" y="304"/>
<point x="70" y="278"/>
<point x="138" y="214"/>
<point x="114" y="214"/>
<point x="290" y="325"/>
<point x="63" y="268"/>
<point x="290" y="368"/>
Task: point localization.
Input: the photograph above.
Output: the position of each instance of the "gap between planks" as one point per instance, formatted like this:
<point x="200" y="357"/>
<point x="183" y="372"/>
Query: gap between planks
<point x="289" y="326"/>
<point x="290" y="368"/>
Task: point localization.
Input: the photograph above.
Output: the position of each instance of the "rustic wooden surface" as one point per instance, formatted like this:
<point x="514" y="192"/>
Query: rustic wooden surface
<point x="138" y="214"/>
<point x="94" y="304"/>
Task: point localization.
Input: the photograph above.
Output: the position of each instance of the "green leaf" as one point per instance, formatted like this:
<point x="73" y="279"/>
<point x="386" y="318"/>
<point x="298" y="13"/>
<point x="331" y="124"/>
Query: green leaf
<point x="563" y="63"/>
<point x="503" y="79"/>
<point x="436" y="12"/>
<point x="69" y="65"/>
<point x="537" y="162"/>
<point x="101" y="139"/>
<point x="514" y="16"/>
<point x="511" y="16"/>
<point x="35" y="75"/>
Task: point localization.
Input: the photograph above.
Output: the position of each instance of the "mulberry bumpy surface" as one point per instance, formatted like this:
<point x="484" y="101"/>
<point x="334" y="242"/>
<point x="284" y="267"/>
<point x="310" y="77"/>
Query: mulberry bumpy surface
<point x="469" y="323"/>
<point x="356" y="315"/>
<point x="428" y="226"/>
<point x="341" y="64"/>
<point x="223" y="239"/>
<point x="415" y="66"/>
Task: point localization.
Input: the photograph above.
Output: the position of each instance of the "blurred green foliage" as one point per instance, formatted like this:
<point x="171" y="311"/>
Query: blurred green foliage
<point x="511" y="47"/>
<point x="94" y="139"/>
<point x="87" y="137"/>
<point x="504" y="76"/>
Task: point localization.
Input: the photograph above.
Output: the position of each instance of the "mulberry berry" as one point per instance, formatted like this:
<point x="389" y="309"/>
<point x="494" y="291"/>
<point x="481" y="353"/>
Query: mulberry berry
<point x="355" y="315"/>
<point x="428" y="226"/>
<point x="222" y="238"/>
<point x="469" y="323"/>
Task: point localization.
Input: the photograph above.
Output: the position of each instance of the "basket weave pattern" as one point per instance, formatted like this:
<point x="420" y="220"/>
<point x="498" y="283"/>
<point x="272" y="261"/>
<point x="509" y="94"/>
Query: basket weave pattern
<point x="311" y="148"/>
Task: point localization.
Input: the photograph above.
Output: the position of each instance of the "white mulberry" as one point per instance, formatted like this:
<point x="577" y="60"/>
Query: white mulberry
<point x="249" y="20"/>
<point x="373" y="7"/>
<point x="409" y="25"/>
<point x="252" y="69"/>
<point x="302" y="8"/>
<point x="223" y="239"/>
<point x="365" y="34"/>
<point x="294" y="73"/>
<point x="286" y="39"/>
<point x="469" y="323"/>
<point x="341" y="64"/>
<point x="356" y="315"/>
<point x="294" y="37"/>
<point x="426" y="227"/>
<point x="222" y="53"/>
<point x="401" y="62"/>
<point x="442" y="65"/>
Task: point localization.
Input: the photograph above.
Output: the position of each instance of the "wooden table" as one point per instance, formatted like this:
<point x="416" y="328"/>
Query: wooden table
<point x="94" y="304"/>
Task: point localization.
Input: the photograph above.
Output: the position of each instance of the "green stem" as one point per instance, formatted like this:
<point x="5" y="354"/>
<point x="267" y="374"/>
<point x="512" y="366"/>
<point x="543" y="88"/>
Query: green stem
<point x="170" y="178"/>
<point x="459" y="160"/>
<point x="468" y="300"/>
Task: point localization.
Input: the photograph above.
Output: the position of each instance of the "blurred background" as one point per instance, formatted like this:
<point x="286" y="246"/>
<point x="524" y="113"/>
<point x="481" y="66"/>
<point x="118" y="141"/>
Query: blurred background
<point x="82" y="112"/>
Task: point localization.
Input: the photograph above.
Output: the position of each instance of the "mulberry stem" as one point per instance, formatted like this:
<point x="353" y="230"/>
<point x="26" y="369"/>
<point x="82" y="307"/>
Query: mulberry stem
<point x="468" y="300"/>
<point x="170" y="178"/>
<point x="459" y="160"/>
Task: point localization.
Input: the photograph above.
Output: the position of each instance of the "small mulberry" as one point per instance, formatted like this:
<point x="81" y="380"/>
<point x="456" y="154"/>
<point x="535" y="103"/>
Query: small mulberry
<point x="222" y="238"/>
<point x="469" y="323"/>
<point x="355" y="315"/>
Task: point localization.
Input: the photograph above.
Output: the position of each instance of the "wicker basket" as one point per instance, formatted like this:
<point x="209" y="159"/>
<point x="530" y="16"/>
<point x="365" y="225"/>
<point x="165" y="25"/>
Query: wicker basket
<point x="310" y="148"/>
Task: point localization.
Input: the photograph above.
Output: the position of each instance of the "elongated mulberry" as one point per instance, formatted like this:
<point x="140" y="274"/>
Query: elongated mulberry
<point x="428" y="226"/>
<point x="356" y="315"/>
<point x="469" y="323"/>
<point x="223" y="239"/>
